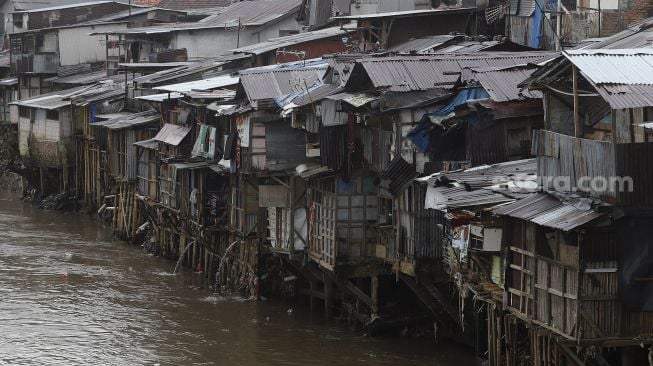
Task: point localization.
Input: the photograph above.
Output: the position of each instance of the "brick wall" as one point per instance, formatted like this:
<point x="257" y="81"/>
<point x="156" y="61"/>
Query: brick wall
<point x="630" y="11"/>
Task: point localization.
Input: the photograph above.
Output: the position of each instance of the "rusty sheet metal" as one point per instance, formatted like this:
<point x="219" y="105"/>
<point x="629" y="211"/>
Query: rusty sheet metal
<point x="172" y="134"/>
<point x="634" y="161"/>
<point x="428" y="72"/>
<point x="429" y="226"/>
<point x="332" y="146"/>
<point x="503" y="85"/>
<point x="546" y="210"/>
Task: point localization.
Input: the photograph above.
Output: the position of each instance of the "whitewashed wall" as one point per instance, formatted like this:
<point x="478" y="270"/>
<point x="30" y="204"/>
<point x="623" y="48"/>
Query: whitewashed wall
<point x="76" y="46"/>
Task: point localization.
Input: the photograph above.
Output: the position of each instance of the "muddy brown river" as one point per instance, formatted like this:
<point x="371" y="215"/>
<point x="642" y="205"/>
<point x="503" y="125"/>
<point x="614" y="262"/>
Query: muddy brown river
<point x="71" y="295"/>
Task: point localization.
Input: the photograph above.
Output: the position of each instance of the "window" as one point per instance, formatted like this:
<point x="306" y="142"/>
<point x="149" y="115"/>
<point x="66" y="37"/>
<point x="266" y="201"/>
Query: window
<point x="24" y="112"/>
<point x="52" y="114"/>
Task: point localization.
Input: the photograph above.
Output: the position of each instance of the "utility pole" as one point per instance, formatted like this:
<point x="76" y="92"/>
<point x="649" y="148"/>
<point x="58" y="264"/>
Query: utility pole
<point x="558" y="25"/>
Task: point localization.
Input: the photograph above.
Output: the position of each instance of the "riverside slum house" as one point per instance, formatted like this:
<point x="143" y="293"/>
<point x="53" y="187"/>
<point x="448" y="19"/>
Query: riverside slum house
<point x="589" y="286"/>
<point x="339" y="162"/>
<point x="240" y="24"/>
<point x="46" y="128"/>
<point x="563" y="272"/>
<point x="56" y="42"/>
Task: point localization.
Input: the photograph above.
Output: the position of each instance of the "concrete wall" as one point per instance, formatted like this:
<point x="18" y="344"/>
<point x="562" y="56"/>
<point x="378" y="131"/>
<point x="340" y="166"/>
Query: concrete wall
<point x="45" y="140"/>
<point x="76" y="46"/>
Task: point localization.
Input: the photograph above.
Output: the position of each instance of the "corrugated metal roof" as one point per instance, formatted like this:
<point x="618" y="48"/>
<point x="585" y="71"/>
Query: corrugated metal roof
<point x="250" y="13"/>
<point x="422" y="45"/>
<point x="546" y="210"/>
<point x="503" y="85"/>
<point x="487" y="175"/>
<point x="623" y="78"/>
<point x="407" y="13"/>
<point x="65" y="6"/>
<point x="8" y="82"/>
<point x="522" y="8"/>
<point x="441" y="198"/>
<point x="184" y="72"/>
<point x="204" y="84"/>
<point x="315" y="94"/>
<point x="427" y="72"/>
<point x="273" y="83"/>
<point x="626" y="96"/>
<point x="354" y="99"/>
<point x="160" y="97"/>
<point x="398" y="175"/>
<point x="130" y="120"/>
<point x="151" y="144"/>
<point x="276" y="43"/>
<point x="254" y="12"/>
<point x="79" y="95"/>
<point x="80" y="79"/>
<point x="172" y="134"/>
<point x="224" y="94"/>
<point x="186" y="4"/>
<point x="631" y="66"/>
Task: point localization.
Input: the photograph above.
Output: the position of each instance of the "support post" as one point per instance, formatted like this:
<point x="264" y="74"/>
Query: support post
<point x="375" y="294"/>
<point x="578" y="124"/>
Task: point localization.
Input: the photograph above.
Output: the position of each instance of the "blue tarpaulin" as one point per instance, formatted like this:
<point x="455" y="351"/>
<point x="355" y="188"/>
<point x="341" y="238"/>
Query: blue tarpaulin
<point x="536" y="26"/>
<point x="420" y="134"/>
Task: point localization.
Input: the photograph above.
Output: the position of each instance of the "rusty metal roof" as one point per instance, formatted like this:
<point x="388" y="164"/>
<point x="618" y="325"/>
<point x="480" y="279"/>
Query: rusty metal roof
<point x="172" y="134"/>
<point x="408" y="73"/>
<point x="624" y="78"/>
<point x="503" y="84"/>
<point x="546" y="210"/>
<point x="270" y="83"/>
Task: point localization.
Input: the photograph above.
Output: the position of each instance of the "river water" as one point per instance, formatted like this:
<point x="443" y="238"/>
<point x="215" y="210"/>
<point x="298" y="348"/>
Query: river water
<point x="70" y="295"/>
